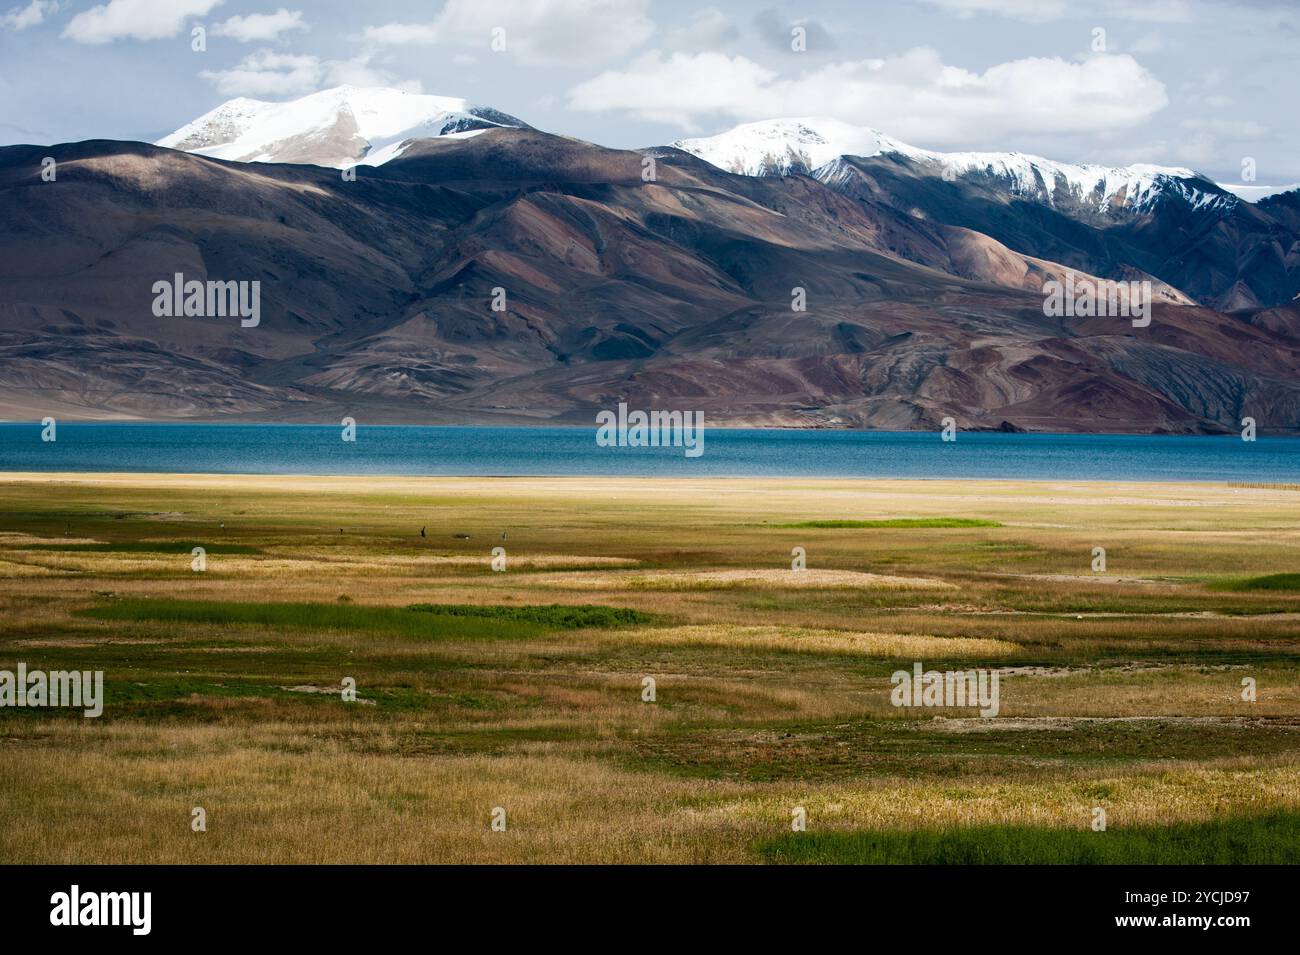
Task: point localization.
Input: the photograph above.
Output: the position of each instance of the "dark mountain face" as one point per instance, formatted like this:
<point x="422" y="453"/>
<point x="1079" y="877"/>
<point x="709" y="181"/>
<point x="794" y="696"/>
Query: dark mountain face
<point x="1220" y="251"/>
<point x="517" y="276"/>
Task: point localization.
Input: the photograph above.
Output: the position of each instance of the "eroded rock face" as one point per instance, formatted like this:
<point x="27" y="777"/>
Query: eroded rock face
<point x="1208" y="245"/>
<point x="376" y="298"/>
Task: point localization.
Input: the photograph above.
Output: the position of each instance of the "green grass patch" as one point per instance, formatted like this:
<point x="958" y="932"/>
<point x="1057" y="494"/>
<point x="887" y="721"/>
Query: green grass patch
<point x="397" y="621"/>
<point x="915" y="749"/>
<point x="1262" y="840"/>
<point x="144" y="547"/>
<point x="1286" y="583"/>
<point x="902" y="522"/>
<point x="551" y="616"/>
<point x="189" y="697"/>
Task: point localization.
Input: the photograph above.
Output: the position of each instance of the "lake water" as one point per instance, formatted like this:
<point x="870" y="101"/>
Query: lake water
<point x="313" y="449"/>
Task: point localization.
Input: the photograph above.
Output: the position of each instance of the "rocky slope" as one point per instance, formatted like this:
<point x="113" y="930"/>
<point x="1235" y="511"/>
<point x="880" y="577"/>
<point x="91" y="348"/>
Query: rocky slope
<point x="377" y="297"/>
<point x="1166" y="222"/>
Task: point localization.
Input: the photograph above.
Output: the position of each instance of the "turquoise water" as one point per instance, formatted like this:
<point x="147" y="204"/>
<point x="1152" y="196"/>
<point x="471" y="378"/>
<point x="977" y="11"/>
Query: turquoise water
<point x="318" y="449"/>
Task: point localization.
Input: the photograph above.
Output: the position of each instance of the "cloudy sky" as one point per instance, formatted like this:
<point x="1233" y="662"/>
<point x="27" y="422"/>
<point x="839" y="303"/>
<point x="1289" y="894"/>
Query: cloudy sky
<point x="1200" y="83"/>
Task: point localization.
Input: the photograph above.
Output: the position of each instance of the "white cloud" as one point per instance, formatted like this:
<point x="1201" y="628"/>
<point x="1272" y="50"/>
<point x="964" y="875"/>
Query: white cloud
<point x="679" y="89"/>
<point x="357" y="71"/>
<point x="707" y="29"/>
<point x="1045" y="11"/>
<point x="914" y="96"/>
<point x="260" y="26"/>
<point x="401" y="34"/>
<point x="268" y="73"/>
<point x="1201" y="142"/>
<point x="547" y="32"/>
<point x="1213" y="79"/>
<point x="1033" y="11"/>
<point x="1150" y="43"/>
<point x="135" y="20"/>
<point x="1152" y="11"/>
<point x="1228" y="128"/>
<point x="20" y="18"/>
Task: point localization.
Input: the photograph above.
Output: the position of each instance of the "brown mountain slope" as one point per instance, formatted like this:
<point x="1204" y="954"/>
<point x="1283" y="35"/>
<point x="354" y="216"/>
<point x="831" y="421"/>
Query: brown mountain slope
<point x="376" y="300"/>
<point x="1229" y="254"/>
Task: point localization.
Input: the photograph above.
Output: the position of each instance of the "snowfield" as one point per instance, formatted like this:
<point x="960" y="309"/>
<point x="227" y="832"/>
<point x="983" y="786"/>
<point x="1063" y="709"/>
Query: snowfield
<point x="338" y="127"/>
<point x="816" y="145"/>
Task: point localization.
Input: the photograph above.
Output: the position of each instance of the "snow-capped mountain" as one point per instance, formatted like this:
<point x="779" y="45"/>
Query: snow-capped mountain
<point x="1256" y="193"/>
<point x="782" y="146"/>
<point x="815" y="146"/>
<point x="925" y="295"/>
<point x="337" y="127"/>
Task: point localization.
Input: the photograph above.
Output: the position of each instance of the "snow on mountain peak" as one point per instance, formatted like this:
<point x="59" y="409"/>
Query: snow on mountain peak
<point x="815" y="146"/>
<point x="781" y="146"/>
<point x="337" y="127"/>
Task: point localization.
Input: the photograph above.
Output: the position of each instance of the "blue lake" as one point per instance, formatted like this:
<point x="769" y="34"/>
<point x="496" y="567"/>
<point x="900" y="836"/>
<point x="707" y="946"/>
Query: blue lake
<point x="313" y="449"/>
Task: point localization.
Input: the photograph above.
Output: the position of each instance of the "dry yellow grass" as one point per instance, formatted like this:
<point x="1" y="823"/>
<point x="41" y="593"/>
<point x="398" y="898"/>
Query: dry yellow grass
<point x="918" y="646"/>
<point x="1121" y="689"/>
<point x="144" y="782"/>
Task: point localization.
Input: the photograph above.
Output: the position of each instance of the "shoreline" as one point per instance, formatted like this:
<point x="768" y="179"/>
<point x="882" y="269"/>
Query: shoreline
<point x="766" y="483"/>
<point x="727" y="426"/>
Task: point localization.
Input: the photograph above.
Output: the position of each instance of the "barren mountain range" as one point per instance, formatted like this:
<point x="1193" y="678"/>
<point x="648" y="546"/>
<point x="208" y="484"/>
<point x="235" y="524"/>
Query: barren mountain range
<point x="659" y="277"/>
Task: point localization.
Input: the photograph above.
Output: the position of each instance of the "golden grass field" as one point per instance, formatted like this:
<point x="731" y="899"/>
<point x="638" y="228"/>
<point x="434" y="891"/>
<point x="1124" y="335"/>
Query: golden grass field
<point x="1120" y="690"/>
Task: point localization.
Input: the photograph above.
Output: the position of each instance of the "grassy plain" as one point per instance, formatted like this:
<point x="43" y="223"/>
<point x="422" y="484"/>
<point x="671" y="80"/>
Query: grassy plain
<point x="1121" y="689"/>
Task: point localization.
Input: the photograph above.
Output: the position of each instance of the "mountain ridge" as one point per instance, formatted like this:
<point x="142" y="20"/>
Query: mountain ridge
<point x="771" y="146"/>
<point x="815" y="145"/>
<point x="341" y="126"/>
<point x="667" y="283"/>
